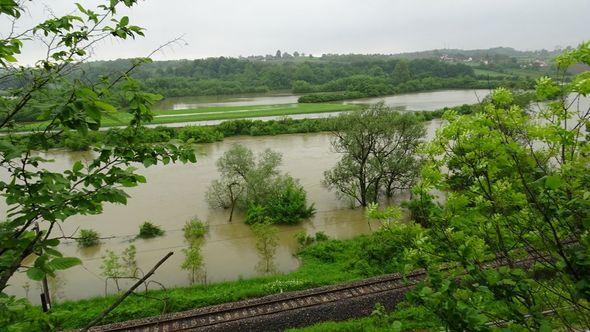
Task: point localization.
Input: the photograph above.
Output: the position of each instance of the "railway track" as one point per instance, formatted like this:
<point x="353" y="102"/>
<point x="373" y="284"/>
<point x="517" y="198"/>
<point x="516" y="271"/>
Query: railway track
<point x="280" y="311"/>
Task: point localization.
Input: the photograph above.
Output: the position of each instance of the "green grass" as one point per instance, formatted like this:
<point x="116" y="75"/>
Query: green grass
<point x="217" y="113"/>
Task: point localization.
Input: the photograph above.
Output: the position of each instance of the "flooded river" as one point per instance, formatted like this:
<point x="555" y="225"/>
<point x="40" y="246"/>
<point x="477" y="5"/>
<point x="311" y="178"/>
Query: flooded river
<point x="429" y="101"/>
<point x="421" y="101"/>
<point x="175" y="194"/>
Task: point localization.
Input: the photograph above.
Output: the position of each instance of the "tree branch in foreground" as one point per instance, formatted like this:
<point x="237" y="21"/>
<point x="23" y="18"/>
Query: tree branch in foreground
<point x="127" y="293"/>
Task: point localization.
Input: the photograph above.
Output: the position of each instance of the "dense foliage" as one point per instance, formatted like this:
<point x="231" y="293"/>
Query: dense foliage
<point x="217" y="76"/>
<point x="497" y="187"/>
<point x="357" y="77"/>
<point x="256" y="186"/>
<point x="148" y="230"/>
<point x="88" y="238"/>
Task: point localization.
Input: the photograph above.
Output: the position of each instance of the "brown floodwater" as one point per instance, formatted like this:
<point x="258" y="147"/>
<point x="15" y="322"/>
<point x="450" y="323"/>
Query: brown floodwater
<point x="175" y="194"/>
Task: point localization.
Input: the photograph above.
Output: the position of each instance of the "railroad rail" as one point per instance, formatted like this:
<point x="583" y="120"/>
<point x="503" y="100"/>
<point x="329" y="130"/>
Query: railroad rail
<point x="293" y="309"/>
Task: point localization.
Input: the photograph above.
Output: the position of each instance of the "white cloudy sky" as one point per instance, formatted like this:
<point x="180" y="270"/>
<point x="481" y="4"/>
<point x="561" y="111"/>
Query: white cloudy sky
<point x="234" y="27"/>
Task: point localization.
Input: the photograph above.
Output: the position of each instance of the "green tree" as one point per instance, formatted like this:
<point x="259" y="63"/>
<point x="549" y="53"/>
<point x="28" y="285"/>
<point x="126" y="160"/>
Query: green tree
<point x="112" y="268"/>
<point x="255" y="185"/>
<point x="38" y="197"/>
<point x="193" y="261"/>
<point x="234" y="167"/>
<point x="401" y="72"/>
<point x="378" y="148"/>
<point x="516" y="184"/>
<point x="194" y="234"/>
<point x="266" y="236"/>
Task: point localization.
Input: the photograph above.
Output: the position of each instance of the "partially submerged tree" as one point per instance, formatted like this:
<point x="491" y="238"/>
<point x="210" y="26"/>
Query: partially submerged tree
<point x="266" y="244"/>
<point x="234" y="166"/>
<point x="194" y="235"/>
<point x="255" y="185"/>
<point x="378" y="148"/>
<point x="35" y="194"/>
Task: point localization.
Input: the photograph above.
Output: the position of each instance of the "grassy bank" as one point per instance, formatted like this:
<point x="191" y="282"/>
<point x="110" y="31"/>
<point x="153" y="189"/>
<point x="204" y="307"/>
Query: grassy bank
<point x="215" y="113"/>
<point x="322" y="263"/>
<point x="211" y="133"/>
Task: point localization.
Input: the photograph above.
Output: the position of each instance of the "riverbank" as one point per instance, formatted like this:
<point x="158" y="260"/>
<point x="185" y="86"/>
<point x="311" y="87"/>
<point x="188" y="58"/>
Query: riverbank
<point x="323" y="263"/>
<point x="214" y="133"/>
<point x="161" y="117"/>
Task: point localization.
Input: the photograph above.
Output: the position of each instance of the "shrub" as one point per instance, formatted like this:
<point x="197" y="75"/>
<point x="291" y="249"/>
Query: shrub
<point x="267" y="243"/>
<point x="21" y="315"/>
<point x="88" y="238"/>
<point x="287" y="204"/>
<point x="200" y="134"/>
<point x="321" y="236"/>
<point x="194" y="229"/>
<point x="148" y="230"/>
<point x="304" y="240"/>
<point x="332" y="96"/>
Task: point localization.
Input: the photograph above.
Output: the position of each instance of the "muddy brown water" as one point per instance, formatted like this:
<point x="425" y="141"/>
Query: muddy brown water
<point x="174" y="194"/>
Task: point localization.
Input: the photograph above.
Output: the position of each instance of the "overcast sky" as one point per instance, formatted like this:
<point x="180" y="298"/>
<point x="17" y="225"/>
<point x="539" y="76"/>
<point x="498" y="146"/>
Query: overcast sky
<point x="246" y="27"/>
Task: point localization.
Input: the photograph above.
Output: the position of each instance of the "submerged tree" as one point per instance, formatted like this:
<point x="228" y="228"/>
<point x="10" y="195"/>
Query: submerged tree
<point x="255" y="185"/>
<point x="266" y="245"/>
<point x="194" y="234"/>
<point x="234" y="166"/>
<point x="378" y="148"/>
<point x="117" y="267"/>
<point x="38" y="197"/>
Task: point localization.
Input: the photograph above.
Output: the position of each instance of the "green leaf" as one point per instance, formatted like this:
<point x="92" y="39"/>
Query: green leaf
<point x="51" y="242"/>
<point x="77" y="167"/>
<point x="9" y="58"/>
<point x="105" y="106"/>
<point x="124" y="21"/>
<point x="52" y="252"/>
<point x="553" y="182"/>
<point x="35" y="273"/>
<point x="149" y="162"/>
<point x="62" y="263"/>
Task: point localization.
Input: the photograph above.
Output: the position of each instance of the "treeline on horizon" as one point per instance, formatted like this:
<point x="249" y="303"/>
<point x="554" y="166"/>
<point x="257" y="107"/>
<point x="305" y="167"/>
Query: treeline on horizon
<point x="221" y="76"/>
<point x="367" y="77"/>
<point x="351" y="75"/>
<point x="318" y="79"/>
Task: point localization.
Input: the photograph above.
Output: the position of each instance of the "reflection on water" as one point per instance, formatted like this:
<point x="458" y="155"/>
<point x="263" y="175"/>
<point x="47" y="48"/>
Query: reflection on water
<point x="175" y="194"/>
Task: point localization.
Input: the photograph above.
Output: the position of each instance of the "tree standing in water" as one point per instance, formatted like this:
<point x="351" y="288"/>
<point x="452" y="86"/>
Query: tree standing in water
<point x="266" y="244"/>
